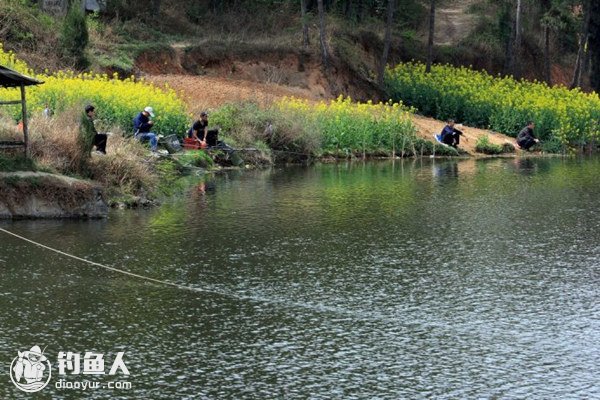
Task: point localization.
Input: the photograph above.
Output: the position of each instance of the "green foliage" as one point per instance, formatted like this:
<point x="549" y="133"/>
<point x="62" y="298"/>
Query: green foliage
<point x="508" y="148"/>
<point x="424" y="147"/>
<point x="340" y="127"/>
<point x="196" y="158"/>
<point x="74" y="36"/>
<point x="552" y="146"/>
<point x="16" y="163"/>
<point x="502" y="104"/>
<point x="483" y="145"/>
<point x="170" y="178"/>
<point x="24" y="25"/>
<point x="345" y="127"/>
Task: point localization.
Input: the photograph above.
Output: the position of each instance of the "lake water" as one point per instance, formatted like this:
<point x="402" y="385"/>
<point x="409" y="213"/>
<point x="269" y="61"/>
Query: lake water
<point x="406" y="280"/>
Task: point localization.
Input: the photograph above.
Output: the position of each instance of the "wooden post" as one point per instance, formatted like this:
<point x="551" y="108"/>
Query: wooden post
<point x="24" y="114"/>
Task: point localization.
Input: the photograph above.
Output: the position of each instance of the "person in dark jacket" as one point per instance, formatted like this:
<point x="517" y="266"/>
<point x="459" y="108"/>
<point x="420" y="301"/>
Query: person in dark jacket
<point x="526" y="139"/>
<point x="199" y="130"/>
<point x="142" y="124"/>
<point x="92" y="137"/>
<point x="450" y="135"/>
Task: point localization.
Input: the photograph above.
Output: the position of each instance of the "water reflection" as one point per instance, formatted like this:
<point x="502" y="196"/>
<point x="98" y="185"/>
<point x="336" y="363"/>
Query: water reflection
<point x="445" y="169"/>
<point x="410" y="279"/>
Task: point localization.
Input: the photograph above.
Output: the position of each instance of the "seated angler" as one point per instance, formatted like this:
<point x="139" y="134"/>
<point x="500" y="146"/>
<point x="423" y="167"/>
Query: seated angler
<point x="93" y="137"/>
<point x="142" y="124"/>
<point x="450" y="135"/>
<point x="199" y="130"/>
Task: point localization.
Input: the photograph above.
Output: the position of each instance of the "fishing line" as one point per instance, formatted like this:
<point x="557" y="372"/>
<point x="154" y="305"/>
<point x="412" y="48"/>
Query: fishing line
<point x="256" y="299"/>
<point x="113" y="269"/>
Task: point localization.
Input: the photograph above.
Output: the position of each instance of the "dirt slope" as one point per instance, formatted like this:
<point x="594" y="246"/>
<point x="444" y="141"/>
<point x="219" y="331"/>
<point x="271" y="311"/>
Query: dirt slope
<point x="209" y="92"/>
<point x="453" y="22"/>
<point x="428" y="126"/>
<point x="205" y="93"/>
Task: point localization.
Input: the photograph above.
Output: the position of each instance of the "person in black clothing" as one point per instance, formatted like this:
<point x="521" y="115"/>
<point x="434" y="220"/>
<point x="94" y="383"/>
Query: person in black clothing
<point x="526" y="139"/>
<point x="450" y="135"/>
<point x="98" y="139"/>
<point x="199" y="131"/>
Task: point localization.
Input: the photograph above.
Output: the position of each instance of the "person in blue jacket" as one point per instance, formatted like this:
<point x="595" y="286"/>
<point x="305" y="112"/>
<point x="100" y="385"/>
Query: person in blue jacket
<point x="450" y="135"/>
<point x="142" y="124"/>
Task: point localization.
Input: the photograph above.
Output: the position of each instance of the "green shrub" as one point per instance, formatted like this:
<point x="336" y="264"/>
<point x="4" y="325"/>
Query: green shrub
<point x="483" y="145"/>
<point x="552" y="146"/>
<point x="508" y="148"/>
<point x="344" y="127"/>
<point x="341" y="127"/>
<point x="196" y="158"/>
<point x="16" y="163"/>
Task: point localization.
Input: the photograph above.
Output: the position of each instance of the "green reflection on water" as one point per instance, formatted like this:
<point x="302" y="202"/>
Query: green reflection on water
<point x="383" y="279"/>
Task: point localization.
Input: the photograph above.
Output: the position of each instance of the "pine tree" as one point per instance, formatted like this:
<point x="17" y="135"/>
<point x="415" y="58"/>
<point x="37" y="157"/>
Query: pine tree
<point x="74" y="36"/>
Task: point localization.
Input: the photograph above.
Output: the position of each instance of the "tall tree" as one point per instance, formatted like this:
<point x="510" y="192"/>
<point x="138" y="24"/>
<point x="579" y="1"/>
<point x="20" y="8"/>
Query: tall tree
<point x="322" y="34"/>
<point x="514" y="47"/>
<point x="583" y="43"/>
<point x="594" y="44"/>
<point x="386" y="41"/>
<point x="546" y="25"/>
<point x="518" y="38"/>
<point x="74" y="36"/>
<point x="304" y="24"/>
<point x="431" y="36"/>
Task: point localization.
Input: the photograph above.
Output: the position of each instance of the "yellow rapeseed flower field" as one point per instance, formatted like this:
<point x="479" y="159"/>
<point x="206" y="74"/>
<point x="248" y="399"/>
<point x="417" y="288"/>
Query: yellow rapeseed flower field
<point x="504" y="104"/>
<point x="348" y="126"/>
<point x="117" y="100"/>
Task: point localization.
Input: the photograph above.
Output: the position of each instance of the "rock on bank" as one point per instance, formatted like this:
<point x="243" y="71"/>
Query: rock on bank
<point x="44" y="195"/>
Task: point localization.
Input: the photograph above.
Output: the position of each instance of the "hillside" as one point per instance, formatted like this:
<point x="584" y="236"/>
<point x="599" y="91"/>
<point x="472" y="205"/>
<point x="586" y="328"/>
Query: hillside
<point x="210" y="92"/>
<point x="220" y="52"/>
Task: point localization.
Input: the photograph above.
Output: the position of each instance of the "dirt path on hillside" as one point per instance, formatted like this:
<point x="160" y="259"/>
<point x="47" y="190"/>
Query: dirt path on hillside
<point x="453" y="22"/>
<point x="210" y="92"/>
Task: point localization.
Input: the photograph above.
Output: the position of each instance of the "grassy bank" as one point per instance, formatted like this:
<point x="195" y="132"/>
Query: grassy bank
<point x="292" y="128"/>
<point x="563" y="117"/>
<point x="287" y="129"/>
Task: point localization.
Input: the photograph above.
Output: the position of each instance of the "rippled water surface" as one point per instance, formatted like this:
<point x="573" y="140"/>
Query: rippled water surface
<point x="414" y="279"/>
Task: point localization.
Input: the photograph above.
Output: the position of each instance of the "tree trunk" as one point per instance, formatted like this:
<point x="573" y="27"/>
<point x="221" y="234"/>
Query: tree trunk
<point x="156" y="8"/>
<point x="594" y="44"/>
<point x="517" y="44"/>
<point x="305" y="41"/>
<point x="386" y="42"/>
<point x="359" y="10"/>
<point x="322" y="34"/>
<point x="583" y="40"/>
<point x="547" y="63"/>
<point x="431" y="37"/>
<point x="348" y="8"/>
